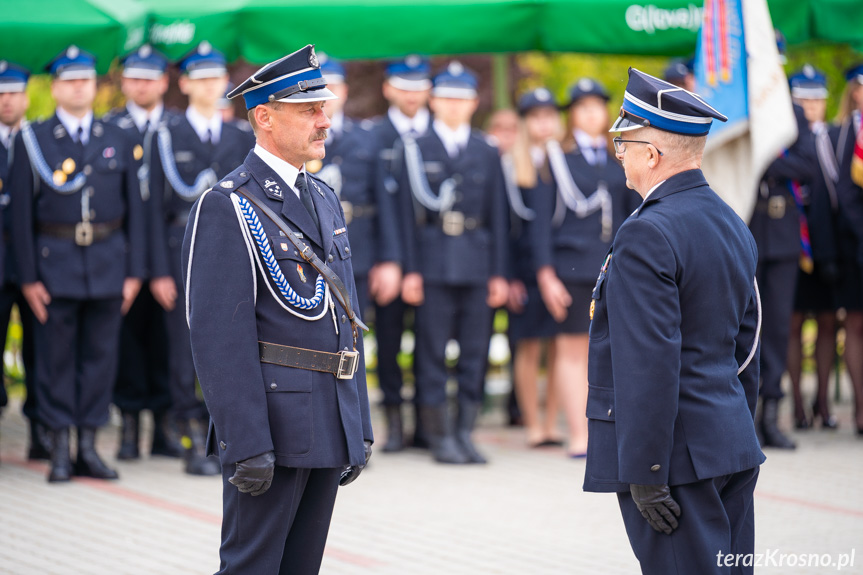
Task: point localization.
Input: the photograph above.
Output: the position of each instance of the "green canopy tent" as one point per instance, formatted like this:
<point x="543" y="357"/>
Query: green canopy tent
<point x="32" y="32"/>
<point x="263" y="30"/>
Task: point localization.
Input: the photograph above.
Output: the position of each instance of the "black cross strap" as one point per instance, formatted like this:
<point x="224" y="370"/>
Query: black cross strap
<point x="337" y="286"/>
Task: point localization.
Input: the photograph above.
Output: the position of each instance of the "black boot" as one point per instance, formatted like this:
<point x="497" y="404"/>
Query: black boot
<point x="40" y="442"/>
<point x="467" y="415"/>
<point x="88" y="463"/>
<point x="129" y="436"/>
<point x="197" y="462"/>
<point x="444" y="447"/>
<point x="420" y="439"/>
<point x="166" y="440"/>
<point x="61" y="463"/>
<point x="769" y="426"/>
<point x="395" y="436"/>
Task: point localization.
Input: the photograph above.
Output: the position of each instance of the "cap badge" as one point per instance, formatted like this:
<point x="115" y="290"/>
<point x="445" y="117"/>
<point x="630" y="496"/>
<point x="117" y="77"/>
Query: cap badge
<point x="809" y="71"/>
<point x="145" y="51"/>
<point x="2" y="66"/>
<point x="585" y="84"/>
<point x="204" y="48"/>
<point x="455" y="68"/>
<point x="413" y="61"/>
<point x="73" y="51"/>
<point x="543" y="95"/>
<point x="313" y="59"/>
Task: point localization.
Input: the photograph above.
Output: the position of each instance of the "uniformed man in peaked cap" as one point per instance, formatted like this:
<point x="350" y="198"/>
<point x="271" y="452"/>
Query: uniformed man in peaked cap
<point x="188" y="154"/>
<point x="79" y="239"/>
<point x="142" y="377"/>
<point x="673" y="365"/>
<point x="13" y="107"/>
<point x="275" y="330"/>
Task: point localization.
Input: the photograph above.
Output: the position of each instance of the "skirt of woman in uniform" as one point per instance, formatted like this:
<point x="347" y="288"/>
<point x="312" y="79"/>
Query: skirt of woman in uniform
<point x="848" y="293"/>
<point x="813" y="294"/>
<point x="577" y="320"/>
<point x="534" y="321"/>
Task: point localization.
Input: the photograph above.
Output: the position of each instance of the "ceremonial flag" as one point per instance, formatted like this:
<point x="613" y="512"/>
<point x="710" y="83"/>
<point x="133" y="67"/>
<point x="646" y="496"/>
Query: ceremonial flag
<point x="738" y="71"/>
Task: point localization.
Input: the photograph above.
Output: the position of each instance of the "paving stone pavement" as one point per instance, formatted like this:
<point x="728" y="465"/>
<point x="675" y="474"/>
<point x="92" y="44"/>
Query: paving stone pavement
<point x="524" y="513"/>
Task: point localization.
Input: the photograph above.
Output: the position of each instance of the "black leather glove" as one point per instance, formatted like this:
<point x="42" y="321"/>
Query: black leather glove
<point x="657" y="506"/>
<point x="255" y="474"/>
<point x="351" y="472"/>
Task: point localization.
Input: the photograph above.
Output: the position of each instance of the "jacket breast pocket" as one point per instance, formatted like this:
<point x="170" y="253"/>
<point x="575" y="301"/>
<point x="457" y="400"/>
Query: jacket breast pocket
<point x="343" y="246"/>
<point x="600" y="403"/>
<point x="289" y="406"/>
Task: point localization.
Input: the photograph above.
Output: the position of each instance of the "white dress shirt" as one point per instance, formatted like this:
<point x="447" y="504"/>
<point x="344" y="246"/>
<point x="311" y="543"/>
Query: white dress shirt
<point x="141" y="116"/>
<point x="6" y="135"/>
<point x="201" y="124"/>
<point x="453" y="140"/>
<point x="286" y="171"/>
<point x="71" y="123"/>
<point x="651" y="190"/>
<point x="590" y="146"/>
<point x="419" y="123"/>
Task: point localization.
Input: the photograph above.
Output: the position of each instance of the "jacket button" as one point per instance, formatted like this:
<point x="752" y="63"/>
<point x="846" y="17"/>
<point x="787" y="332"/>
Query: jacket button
<point x="609" y="412"/>
<point x="88" y="170"/>
<point x="344" y="318"/>
<point x="46" y="252"/>
<point x="242" y="174"/>
<point x="347" y="250"/>
<point x="655" y="467"/>
<point x="222" y="445"/>
<point x="330" y="258"/>
<point x="273" y="385"/>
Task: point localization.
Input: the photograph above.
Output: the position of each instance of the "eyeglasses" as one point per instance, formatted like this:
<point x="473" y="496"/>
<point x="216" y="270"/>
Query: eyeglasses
<point x="620" y="145"/>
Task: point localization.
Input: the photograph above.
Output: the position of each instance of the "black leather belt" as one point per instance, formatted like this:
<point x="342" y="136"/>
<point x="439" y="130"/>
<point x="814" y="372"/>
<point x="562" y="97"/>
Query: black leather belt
<point x="343" y="364"/>
<point x="456" y="223"/>
<point x="83" y="233"/>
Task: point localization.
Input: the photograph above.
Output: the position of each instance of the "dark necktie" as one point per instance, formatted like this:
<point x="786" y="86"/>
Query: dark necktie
<point x="598" y="156"/>
<point x="146" y="127"/>
<point x="306" y="197"/>
<point x="80" y="136"/>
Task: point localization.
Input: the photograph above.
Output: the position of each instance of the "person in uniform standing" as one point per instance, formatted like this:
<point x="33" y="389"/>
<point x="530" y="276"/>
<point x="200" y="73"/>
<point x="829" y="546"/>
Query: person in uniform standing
<point x="80" y="246"/>
<point x="406" y="88"/>
<point x="528" y="180"/>
<point x="578" y="216"/>
<point x="275" y="330"/>
<point x="848" y="143"/>
<point x="13" y="106"/>
<point x="349" y="169"/>
<point x="142" y="377"/>
<point x="781" y="232"/>
<point x="816" y="286"/>
<point x="456" y="226"/>
<point x="673" y="348"/>
<point x="189" y="153"/>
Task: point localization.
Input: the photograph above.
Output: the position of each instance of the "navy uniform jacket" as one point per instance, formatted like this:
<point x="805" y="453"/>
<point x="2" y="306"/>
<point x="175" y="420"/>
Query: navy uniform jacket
<point x="309" y="418"/>
<point x="575" y="247"/>
<point x="479" y="253"/>
<point x="822" y="214"/>
<point x="850" y="194"/>
<point x="67" y="269"/>
<point x="775" y="224"/>
<point x="369" y="209"/>
<point x="7" y="271"/>
<point x="675" y="315"/>
<point x="169" y="212"/>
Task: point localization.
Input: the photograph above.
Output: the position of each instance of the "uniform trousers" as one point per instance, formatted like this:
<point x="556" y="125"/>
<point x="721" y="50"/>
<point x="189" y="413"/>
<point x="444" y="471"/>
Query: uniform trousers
<point x="142" y="377"/>
<point x="10" y="295"/>
<point x="717" y="516"/>
<point x="777" y="281"/>
<point x="76" y="361"/>
<point x="452" y="312"/>
<point x="389" y="325"/>
<point x="284" y="530"/>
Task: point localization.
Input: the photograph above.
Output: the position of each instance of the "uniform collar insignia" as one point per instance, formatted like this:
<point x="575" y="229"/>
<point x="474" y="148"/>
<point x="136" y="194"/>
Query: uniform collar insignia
<point x="273" y="189"/>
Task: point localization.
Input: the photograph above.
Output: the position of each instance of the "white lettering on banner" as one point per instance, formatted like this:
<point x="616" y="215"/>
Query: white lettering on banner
<point x="173" y="33"/>
<point x="134" y="38"/>
<point x="651" y="19"/>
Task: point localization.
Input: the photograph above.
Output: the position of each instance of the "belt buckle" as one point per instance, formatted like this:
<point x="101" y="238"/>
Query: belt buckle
<point x="776" y="207"/>
<point x="84" y="234"/>
<point x="453" y="223"/>
<point x="348" y="209"/>
<point x="348" y="363"/>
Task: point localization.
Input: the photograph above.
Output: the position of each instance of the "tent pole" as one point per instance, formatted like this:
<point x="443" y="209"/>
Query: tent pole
<point x="500" y="81"/>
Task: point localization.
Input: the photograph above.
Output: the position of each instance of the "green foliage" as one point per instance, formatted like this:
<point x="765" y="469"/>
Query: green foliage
<point x="108" y="96"/>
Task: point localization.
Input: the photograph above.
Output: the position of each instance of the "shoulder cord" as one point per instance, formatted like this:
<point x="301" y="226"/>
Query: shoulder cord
<point x="445" y="199"/>
<point x="754" y="348"/>
<point x="573" y="197"/>
<point x="204" y="180"/>
<point x="516" y="201"/>
<point x="829" y="167"/>
<point x="40" y="166"/>
<point x="331" y="174"/>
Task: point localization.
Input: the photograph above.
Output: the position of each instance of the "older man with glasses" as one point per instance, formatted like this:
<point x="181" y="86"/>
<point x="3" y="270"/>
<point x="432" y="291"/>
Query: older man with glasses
<point x="673" y="367"/>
